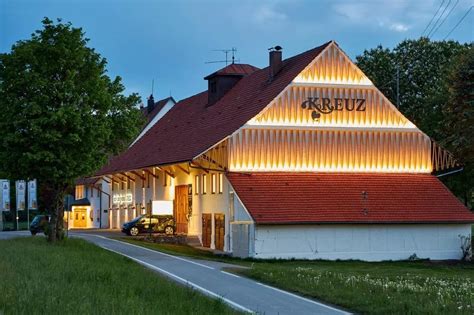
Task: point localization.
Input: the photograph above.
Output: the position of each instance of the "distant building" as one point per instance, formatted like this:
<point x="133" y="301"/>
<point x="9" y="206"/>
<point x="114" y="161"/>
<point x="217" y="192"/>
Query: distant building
<point x="302" y="159"/>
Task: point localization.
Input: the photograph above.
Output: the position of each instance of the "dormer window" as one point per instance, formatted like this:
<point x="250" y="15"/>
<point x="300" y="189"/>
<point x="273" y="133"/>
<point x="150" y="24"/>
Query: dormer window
<point x="223" y="80"/>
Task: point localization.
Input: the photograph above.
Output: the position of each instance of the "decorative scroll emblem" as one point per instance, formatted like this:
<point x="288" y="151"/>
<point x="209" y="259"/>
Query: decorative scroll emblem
<point x="326" y="105"/>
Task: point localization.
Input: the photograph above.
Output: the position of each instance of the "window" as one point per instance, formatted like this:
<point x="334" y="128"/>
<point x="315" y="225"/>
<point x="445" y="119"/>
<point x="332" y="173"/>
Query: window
<point x="221" y="183"/>
<point x="213" y="183"/>
<point x="92" y="192"/>
<point x="204" y="184"/>
<point x="79" y="192"/>
<point x="196" y="184"/>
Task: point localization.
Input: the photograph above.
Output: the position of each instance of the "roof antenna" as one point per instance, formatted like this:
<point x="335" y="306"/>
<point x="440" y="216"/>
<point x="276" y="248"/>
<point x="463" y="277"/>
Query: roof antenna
<point x="231" y="51"/>
<point x="152" y="86"/>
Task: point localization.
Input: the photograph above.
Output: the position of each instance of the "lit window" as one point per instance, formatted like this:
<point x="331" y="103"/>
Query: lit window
<point x="213" y="183"/>
<point x="204" y="184"/>
<point x="196" y="184"/>
<point x="221" y="183"/>
<point x="79" y="192"/>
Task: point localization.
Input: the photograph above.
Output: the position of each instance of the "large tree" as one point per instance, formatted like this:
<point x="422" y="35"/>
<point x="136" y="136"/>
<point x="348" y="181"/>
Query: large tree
<point x="458" y="118"/>
<point x="61" y="116"/>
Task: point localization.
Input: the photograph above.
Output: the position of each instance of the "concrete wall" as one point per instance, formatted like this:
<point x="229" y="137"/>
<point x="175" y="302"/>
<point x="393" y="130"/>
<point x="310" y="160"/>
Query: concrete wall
<point x="363" y="242"/>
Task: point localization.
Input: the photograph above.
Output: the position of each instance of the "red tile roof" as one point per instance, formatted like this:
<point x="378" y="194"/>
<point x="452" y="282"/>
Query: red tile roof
<point x="290" y="198"/>
<point x="190" y="127"/>
<point x="234" y="69"/>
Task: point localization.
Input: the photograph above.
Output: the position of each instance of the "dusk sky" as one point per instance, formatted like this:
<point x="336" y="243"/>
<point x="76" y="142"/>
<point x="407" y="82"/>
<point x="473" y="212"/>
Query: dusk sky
<point x="170" y="41"/>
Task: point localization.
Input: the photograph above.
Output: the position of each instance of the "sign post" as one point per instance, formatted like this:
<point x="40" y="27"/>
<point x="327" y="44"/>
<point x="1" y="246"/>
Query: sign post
<point x="20" y="188"/>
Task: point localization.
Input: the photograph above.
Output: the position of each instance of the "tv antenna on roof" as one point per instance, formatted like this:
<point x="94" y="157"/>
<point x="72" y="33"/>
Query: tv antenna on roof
<point x="232" y="51"/>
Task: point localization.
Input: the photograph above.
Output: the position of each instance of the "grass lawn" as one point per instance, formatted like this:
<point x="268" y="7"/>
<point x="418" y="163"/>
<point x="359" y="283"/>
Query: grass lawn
<point x="369" y="288"/>
<point x="76" y="277"/>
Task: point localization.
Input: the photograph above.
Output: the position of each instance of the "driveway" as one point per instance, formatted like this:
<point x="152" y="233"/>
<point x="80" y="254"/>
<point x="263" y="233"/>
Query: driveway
<point x="12" y="234"/>
<point x="209" y="278"/>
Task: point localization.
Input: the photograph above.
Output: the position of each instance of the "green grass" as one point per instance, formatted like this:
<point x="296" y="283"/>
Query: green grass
<point x="376" y="288"/>
<point x="76" y="277"/>
<point x="368" y="288"/>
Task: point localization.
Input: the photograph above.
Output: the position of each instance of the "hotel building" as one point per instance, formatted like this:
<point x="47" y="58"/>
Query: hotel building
<point x="305" y="158"/>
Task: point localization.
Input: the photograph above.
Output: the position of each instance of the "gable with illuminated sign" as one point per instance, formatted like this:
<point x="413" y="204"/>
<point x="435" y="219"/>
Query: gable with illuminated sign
<point x="330" y="118"/>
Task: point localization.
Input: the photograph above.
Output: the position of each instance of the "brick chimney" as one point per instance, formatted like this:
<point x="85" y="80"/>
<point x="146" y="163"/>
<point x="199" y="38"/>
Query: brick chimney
<point x="150" y="104"/>
<point x="276" y="62"/>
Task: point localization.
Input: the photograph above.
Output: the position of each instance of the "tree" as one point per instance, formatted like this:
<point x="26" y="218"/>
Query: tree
<point x="459" y="121"/>
<point x="61" y="116"/>
<point x="380" y="66"/>
<point x="423" y="66"/>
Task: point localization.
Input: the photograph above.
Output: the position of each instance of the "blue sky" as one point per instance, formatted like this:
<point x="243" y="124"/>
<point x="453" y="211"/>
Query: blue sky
<point x="170" y="41"/>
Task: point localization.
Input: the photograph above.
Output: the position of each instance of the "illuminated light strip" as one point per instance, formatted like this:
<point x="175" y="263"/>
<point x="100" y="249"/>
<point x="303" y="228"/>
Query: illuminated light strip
<point x="273" y="125"/>
<point x="329" y="151"/>
<point x="329" y="84"/>
<point x="331" y="170"/>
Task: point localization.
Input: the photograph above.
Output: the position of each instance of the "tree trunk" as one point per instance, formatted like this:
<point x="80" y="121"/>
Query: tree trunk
<point x="56" y="214"/>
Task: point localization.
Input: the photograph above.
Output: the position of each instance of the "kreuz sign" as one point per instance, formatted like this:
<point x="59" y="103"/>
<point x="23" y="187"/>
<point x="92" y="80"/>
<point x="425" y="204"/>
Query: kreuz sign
<point x="326" y="105"/>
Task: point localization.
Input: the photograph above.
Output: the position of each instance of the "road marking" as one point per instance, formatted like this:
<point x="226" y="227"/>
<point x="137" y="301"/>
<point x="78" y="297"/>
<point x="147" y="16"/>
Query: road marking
<point x="303" y="298"/>
<point x="155" y="251"/>
<point x="184" y="281"/>
<point x="230" y="274"/>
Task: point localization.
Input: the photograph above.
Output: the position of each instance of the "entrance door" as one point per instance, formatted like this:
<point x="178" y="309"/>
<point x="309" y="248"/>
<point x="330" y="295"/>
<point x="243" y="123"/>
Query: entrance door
<point x="80" y="218"/>
<point x="206" y="229"/>
<point x="181" y="208"/>
<point x="219" y="225"/>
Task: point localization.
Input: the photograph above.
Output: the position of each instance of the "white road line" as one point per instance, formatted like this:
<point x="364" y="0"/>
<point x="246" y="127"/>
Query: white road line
<point x="230" y="274"/>
<point x="303" y="298"/>
<point x="155" y="251"/>
<point x="184" y="281"/>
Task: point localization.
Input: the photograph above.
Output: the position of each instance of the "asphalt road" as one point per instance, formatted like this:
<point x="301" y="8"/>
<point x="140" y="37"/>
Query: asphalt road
<point x="208" y="277"/>
<point x="13" y="234"/>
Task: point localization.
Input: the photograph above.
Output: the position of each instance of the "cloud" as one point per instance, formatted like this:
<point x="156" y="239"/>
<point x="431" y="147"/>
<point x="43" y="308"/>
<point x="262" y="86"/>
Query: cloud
<point x="268" y="14"/>
<point x="396" y="15"/>
<point x="399" y="27"/>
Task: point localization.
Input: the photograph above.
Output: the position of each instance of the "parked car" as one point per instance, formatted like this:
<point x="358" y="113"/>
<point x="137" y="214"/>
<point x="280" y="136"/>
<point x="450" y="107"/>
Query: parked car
<point x="157" y="223"/>
<point x="39" y="224"/>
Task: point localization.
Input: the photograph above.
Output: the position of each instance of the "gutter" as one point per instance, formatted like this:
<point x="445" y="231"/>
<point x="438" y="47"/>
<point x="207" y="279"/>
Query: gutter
<point x="451" y="172"/>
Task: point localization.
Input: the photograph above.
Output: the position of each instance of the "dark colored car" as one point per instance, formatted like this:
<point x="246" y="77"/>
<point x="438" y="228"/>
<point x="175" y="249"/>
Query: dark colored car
<point x="38" y="224"/>
<point x="157" y="223"/>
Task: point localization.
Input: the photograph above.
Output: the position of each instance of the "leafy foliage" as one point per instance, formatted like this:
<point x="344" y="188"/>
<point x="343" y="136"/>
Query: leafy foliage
<point x="61" y="116"/>
<point x="459" y="120"/>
